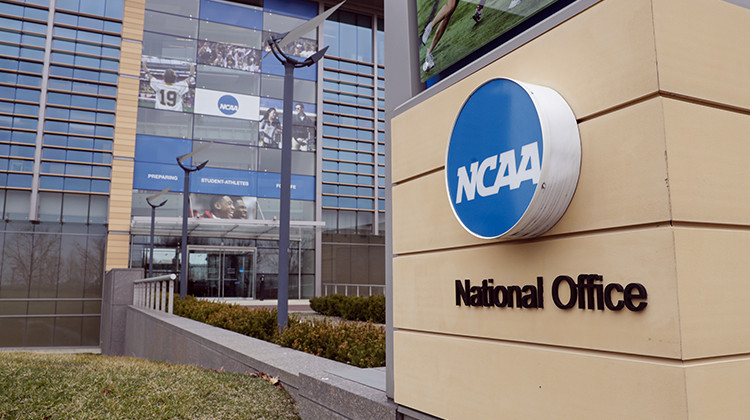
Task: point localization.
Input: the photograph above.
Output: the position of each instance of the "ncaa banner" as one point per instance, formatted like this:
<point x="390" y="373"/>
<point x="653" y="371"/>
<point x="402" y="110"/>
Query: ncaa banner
<point x="513" y="160"/>
<point x="157" y="176"/>
<point x="302" y="186"/>
<point x="223" y="181"/>
<point x="222" y="104"/>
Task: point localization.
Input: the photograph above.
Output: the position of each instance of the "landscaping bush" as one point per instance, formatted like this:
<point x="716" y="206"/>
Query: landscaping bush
<point x="355" y="343"/>
<point x="332" y="305"/>
<point x="260" y="323"/>
<point x="356" y="309"/>
<point x="377" y="309"/>
<point x="199" y="310"/>
<point x="352" y="308"/>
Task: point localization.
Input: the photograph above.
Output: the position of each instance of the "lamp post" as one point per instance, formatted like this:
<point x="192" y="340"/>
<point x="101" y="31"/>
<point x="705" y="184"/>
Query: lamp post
<point x="290" y="63"/>
<point x="185" y="215"/>
<point x="153" y="217"/>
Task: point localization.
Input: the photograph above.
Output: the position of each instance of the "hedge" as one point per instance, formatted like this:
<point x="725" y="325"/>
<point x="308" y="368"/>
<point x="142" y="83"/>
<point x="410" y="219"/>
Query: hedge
<point x="355" y="343"/>
<point x="353" y="308"/>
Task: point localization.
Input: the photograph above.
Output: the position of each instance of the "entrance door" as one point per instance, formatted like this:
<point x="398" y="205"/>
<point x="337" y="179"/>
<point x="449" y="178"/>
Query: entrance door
<point x="221" y="272"/>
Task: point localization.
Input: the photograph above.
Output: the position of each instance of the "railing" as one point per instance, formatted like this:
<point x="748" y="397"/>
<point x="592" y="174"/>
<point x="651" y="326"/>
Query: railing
<point x="336" y="287"/>
<point x="155" y="293"/>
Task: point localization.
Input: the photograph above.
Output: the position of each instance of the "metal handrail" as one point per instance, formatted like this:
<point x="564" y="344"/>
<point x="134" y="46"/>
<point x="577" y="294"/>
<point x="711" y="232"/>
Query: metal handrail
<point x="155" y="293"/>
<point x="356" y="287"/>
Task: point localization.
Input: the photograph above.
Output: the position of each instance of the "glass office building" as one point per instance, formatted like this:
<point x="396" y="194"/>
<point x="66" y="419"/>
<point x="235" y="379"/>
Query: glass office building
<point x="58" y="88"/>
<point x="98" y="99"/>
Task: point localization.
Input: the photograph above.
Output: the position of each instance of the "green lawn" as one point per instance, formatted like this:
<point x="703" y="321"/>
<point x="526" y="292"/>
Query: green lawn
<point x="64" y="386"/>
<point x="463" y="35"/>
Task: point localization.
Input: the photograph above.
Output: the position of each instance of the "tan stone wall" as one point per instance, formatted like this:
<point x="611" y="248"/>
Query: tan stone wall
<point x="124" y="146"/>
<point x="661" y="91"/>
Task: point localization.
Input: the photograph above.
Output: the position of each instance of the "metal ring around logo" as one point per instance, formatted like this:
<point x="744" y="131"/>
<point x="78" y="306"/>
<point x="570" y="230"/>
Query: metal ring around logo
<point x="513" y="160"/>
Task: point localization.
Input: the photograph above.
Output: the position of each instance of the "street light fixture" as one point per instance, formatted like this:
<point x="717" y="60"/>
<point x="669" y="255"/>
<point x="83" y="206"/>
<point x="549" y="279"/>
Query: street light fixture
<point x="290" y="63"/>
<point x="153" y="217"/>
<point x="185" y="215"/>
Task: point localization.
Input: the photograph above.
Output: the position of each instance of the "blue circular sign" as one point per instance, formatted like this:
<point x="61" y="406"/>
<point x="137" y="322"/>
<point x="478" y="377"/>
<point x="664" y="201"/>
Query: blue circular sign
<point x="494" y="158"/>
<point x="513" y="160"/>
<point x="228" y="105"/>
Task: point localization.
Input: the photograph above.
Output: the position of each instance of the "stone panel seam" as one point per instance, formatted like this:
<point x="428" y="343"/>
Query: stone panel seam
<point x="556" y="348"/>
<point x="544" y="238"/>
<point x="657" y="360"/>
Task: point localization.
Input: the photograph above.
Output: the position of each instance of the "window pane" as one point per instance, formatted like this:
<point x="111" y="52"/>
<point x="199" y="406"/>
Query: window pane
<point x="225" y="129"/>
<point x="98" y="209"/>
<point x="182" y="7"/>
<point x="17" y="205"/>
<point x="171" y="24"/>
<point x="164" y="123"/>
<point x="167" y="46"/>
<point x="227" y="156"/>
<point x="75" y="208"/>
<point x="227" y="80"/>
<point x="229" y="34"/>
<point x="303" y="163"/>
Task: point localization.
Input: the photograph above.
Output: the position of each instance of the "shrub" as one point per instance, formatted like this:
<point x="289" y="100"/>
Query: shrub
<point x="356" y="309"/>
<point x="332" y="305"/>
<point x="258" y="323"/>
<point x="352" y="308"/>
<point x="376" y="310"/>
<point x="199" y="310"/>
<point x="355" y="343"/>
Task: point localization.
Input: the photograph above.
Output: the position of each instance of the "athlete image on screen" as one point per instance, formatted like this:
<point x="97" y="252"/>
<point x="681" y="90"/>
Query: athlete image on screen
<point x="169" y="88"/>
<point x="441" y="20"/>
<point x="477" y="16"/>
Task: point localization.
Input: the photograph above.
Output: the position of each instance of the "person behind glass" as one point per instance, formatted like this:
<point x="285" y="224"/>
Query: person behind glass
<point x="240" y="208"/>
<point x="220" y="207"/>
<point x="169" y="88"/>
<point x="270" y="129"/>
<point x="303" y="129"/>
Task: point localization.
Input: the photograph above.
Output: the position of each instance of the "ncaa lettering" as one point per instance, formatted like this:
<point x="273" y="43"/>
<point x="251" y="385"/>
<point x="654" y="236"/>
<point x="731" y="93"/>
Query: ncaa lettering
<point x="508" y="174"/>
<point x="229" y="107"/>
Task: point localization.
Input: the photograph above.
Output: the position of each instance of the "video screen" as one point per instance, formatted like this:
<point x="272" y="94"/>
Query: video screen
<point x="450" y="30"/>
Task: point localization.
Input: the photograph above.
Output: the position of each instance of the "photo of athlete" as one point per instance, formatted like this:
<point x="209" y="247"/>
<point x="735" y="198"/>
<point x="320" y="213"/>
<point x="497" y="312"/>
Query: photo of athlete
<point x="441" y="20"/>
<point x="172" y="88"/>
<point x="454" y="32"/>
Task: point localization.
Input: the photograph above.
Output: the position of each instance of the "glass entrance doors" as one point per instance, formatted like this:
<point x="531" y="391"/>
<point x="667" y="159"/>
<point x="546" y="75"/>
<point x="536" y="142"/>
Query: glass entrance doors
<point x="221" y="272"/>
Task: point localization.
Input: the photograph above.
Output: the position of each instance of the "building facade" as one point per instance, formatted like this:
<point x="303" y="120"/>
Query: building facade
<point x="99" y="99"/>
<point x="633" y="304"/>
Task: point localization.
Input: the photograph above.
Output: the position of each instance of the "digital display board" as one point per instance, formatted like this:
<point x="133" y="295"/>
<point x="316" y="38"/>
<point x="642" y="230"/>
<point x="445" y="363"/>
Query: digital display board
<point x="451" y="31"/>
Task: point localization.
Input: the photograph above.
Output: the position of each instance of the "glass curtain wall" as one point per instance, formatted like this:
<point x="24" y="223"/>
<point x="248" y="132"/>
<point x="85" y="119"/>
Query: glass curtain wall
<point x="353" y="148"/>
<point x="206" y="78"/>
<point x="58" y="84"/>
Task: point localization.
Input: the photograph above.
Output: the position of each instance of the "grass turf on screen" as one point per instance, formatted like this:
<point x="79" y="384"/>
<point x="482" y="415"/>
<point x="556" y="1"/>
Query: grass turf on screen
<point x="463" y="35"/>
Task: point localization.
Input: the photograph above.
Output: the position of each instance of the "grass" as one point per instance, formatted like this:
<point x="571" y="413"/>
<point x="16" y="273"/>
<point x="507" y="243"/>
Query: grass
<point x="463" y="35"/>
<point x="65" y="386"/>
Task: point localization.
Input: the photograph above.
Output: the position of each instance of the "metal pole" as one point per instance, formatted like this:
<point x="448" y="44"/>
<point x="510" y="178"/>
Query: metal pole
<point x="290" y="63"/>
<point x="151" y="251"/>
<point x="153" y="217"/>
<point x="286" y="181"/>
<point x="185" y="215"/>
<point x="183" y="245"/>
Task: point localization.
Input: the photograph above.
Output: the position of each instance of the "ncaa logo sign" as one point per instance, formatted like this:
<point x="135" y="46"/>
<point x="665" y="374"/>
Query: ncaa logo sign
<point x="513" y="160"/>
<point x="228" y="105"/>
